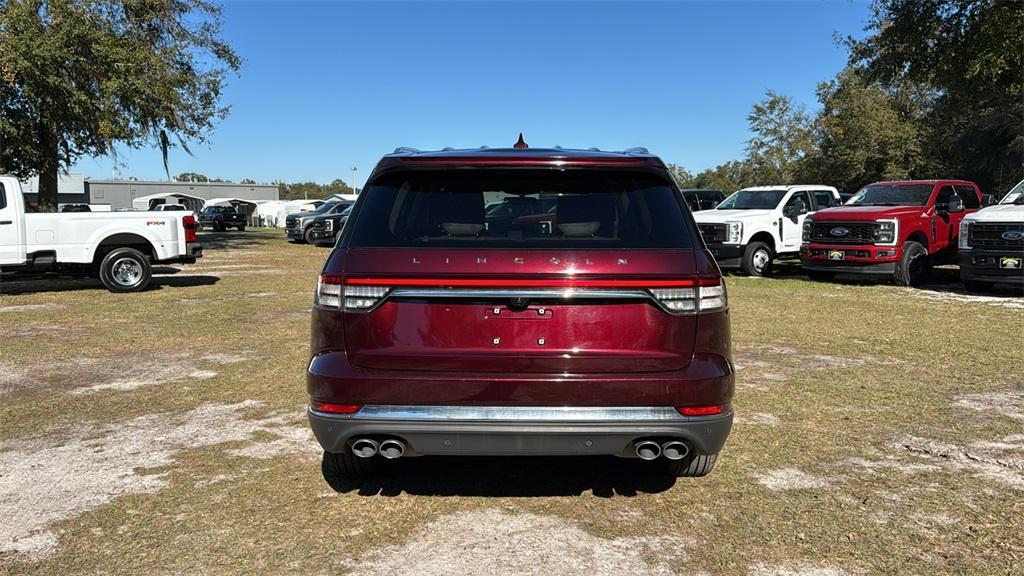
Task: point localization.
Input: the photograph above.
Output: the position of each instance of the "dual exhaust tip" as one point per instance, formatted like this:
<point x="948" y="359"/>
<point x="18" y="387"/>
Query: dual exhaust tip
<point x="368" y="448"/>
<point x="651" y="450"/>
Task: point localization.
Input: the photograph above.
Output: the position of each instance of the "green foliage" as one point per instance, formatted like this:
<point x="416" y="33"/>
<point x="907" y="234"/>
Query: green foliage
<point x="783" y="136"/>
<point x="79" y="77"/>
<point x="312" y="190"/>
<point x="191" y="177"/>
<point x="971" y="54"/>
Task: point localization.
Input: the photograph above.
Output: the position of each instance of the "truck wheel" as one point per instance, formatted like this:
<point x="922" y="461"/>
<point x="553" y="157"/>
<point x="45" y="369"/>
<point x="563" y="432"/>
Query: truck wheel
<point x="977" y="286"/>
<point x="308" y="236"/>
<point x="693" y="466"/>
<point x="125" y="270"/>
<point x="913" y="267"/>
<point x="757" y="259"/>
<point x="821" y="275"/>
<point x="347" y="465"/>
<point x="241" y="228"/>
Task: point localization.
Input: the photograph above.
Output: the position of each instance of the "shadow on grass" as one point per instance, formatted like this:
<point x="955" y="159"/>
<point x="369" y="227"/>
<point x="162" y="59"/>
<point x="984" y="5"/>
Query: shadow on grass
<point x="43" y="284"/>
<point x="522" y="476"/>
<point x="230" y="240"/>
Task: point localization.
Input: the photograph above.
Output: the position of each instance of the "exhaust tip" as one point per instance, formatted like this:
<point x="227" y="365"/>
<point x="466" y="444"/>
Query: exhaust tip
<point x="675" y="450"/>
<point x="392" y="449"/>
<point x="365" y="447"/>
<point x="647" y="450"/>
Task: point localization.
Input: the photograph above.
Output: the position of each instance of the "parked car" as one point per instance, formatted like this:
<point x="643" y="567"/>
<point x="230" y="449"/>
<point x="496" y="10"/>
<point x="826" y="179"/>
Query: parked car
<point x="433" y="334"/>
<point x="702" y="198"/>
<point x="897" y="229"/>
<point x="992" y="244"/>
<point x="116" y="247"/>
<point x="296" y="224"/>
<point x="221" y="218"/>
<point x="324" y="230"/>
<point x="171" y="208"/>
<point x="75" y="208"/>
<point x="754" y="226"/>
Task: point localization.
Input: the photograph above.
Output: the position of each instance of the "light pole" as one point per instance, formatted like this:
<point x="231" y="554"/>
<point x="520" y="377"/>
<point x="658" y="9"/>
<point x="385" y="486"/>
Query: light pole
<point x="354" y="169"/>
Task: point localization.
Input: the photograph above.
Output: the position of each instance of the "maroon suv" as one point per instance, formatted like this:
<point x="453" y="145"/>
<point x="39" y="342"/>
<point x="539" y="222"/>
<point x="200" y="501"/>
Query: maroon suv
<point x="440" y="329"/>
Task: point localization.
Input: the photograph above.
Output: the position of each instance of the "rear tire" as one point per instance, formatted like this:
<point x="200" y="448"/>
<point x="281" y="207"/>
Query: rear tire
<point x="693" y="466"/>
<point x="913" y="267"/>
<point x="821" y="275"/>
<point x="757" y="259"/>
<point x="977" y="286"/>
<point x="348" y="465"/>
<point x="125" y="270"/>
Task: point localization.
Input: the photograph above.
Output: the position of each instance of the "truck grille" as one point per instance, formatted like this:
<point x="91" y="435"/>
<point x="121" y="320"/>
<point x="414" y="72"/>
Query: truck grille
<point x="291" y="222"/>
<point x="986" y="235"/>
<point x="712" y="233"/>
<point x="857" y="232"/>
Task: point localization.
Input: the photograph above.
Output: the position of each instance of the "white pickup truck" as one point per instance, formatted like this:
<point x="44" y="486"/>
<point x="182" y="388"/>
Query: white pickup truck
<point x="749" y="229"/>
<point x="992" y="244"/>
<point x="119" y="248"/>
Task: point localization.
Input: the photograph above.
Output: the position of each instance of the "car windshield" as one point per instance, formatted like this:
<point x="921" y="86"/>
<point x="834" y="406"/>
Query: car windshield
<point x="325" y="208"/>
<point x="753" y="200"/>
<point x="892" y="195"/>
<point x="521" y="209"/>
<point x="1015" y="196"/>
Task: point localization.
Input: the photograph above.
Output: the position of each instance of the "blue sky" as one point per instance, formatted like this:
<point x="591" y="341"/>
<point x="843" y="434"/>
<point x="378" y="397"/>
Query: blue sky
<point x="330" y="85"/>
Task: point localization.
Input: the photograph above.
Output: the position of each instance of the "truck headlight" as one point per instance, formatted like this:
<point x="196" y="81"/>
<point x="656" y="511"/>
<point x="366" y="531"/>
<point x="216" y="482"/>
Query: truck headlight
<point x="805" y="236"/>
<point x="329" y="225"/>
<point x="733" y="232"/>
<point x="885" y="232"/>
<point x="965" y="235"/>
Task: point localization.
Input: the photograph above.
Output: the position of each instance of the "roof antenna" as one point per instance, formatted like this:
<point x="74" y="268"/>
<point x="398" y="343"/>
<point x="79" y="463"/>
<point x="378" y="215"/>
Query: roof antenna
<point x="520" y="143"/>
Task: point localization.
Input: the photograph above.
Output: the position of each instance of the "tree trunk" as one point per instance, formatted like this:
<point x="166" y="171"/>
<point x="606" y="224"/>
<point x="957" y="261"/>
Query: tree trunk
<point x="49" y="171"/>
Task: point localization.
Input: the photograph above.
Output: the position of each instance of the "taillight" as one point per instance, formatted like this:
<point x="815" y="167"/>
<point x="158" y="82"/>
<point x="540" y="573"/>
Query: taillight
<point x="703" y="410"/>
<point x="332" y="292"/>
<point x="334" y="408"/>
<point x="708" y="295"/>
<point x="189" y="222"/>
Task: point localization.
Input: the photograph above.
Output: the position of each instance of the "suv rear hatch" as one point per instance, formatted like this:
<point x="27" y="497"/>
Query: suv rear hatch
<point x="518" y="271"/>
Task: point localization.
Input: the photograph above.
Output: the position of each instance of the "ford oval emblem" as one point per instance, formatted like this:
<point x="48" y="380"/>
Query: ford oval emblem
<point x="840" y="231"/>
<point x="1013" y="235"/>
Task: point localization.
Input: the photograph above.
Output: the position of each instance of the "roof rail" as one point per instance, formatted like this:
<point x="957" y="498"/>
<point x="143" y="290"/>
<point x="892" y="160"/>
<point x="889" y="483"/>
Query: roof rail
<point x="636" y="150"/>
<point x="406" y="150"/>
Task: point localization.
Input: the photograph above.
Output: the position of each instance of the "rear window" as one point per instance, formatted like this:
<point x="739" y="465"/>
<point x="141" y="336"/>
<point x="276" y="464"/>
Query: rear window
<point x="520" y="209"/>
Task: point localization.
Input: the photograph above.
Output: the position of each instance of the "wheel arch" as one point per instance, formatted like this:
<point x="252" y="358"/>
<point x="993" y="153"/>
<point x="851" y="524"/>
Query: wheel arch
<point x="917" y="236"/>
<point x="124" y="240"/>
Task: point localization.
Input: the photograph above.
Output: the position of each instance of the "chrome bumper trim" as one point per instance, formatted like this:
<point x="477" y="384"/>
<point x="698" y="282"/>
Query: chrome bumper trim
<point x="521" y="413"/>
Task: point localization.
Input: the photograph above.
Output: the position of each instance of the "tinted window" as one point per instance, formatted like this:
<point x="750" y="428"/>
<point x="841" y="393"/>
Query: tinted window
<point x="824" y="199"/>
<point x="800" y="200"/>
<point x="326" y="208"/>
<point x="969" y="196"/>
<point x="753" y="200"/>
<point x="3" y="197"/>
<point x="892" y="195"/>
<point x="520" y="208"/>
<point x="945" y="195"/>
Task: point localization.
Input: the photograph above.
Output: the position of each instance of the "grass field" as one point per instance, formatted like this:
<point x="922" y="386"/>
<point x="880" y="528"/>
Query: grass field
<point x="880" y="430"/>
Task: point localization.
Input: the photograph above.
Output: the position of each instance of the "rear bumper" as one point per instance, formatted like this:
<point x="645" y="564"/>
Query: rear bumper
<point x="436" y="435"/>
<point x="192" y="253"/>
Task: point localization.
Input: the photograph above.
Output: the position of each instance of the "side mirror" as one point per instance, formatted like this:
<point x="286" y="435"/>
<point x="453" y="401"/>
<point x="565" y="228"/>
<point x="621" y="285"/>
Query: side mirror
<point x="956" y="205"/>
<point x="988" y="200"/>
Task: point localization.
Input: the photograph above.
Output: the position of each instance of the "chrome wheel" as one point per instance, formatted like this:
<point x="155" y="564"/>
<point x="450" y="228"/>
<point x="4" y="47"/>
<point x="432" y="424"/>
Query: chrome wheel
<point x="760" y="260"/>
<point x="126" y="272"/>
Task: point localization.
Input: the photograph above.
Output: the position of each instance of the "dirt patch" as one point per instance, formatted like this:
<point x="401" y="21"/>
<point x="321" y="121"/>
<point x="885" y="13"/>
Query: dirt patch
<point x="989" y="464"/>
<point x="955" y="293"/>
<point x="1008" y="403"/>
<point x="232" y="298"/>
<point x="42" y="329"/>
<point x="758" y="418"/>
<point x="763" y="367"/>
<point x="783" y="479"/>
<point x="121" y="373"/>
<point x="31" y="307"/>
<point x="800" y="570"/>
<point x="499" y="543"/>
<point x="46" y="479"/>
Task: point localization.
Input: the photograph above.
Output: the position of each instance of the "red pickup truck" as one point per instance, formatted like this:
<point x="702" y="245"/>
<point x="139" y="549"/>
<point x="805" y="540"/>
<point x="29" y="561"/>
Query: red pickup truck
<point x="897" y="229"/>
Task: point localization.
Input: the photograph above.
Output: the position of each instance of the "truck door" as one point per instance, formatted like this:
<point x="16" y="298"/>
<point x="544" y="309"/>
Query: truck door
<point x="11" y="246"/>
<point x="945" y="224"/>
<point x="791" y="224"/>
